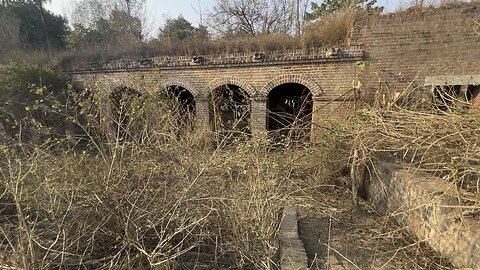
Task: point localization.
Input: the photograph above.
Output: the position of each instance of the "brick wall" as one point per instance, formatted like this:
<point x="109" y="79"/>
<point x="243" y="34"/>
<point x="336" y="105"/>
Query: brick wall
<point x="400" y="50"/>
<point x="327" y="80"/>
<point x="403" y="48"/>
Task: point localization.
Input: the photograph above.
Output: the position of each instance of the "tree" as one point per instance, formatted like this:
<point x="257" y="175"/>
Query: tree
<point x="181" y="29"/>
<point x="330" y="6"/>
<point x="9" y="29"/>
<point x="125" y="25"/>
<point x="118" y="28"/>
<point x="42" y="14"/>
<point x="32" y="29"/>
<point x="87" y="12"/>
<point x="252" y="17"/>
<point x="125" y="17"/>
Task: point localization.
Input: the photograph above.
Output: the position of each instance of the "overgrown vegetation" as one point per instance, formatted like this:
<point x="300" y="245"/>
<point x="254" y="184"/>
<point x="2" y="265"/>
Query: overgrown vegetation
<point x="146" y="193"/>
<point x="33" y="101"/>
<point x="332" y="29"/>
<point x="437" y="136"/>
<point x="132" y="188"/>
<point x="138" y="190"/>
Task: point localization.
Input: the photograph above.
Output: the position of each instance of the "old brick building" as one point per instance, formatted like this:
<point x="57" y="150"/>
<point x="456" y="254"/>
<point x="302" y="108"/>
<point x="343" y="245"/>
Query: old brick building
<point x="425" y="51"/>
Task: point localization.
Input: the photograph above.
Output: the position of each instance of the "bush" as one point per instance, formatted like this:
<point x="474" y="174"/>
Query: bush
<point x="33" y="100"/>
<point x="160" y="197"/>
<point x="330" y="30"/>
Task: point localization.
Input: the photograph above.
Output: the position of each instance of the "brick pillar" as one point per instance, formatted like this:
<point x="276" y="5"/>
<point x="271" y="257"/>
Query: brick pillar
<point x="327" y="112"/>
<point x="319" y="115"/>
<point x="259" y="116"/>
<point x="202" y="111"/>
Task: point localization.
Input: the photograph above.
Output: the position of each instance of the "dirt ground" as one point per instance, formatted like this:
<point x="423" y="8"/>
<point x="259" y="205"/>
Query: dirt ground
<point x="359" y="238"/>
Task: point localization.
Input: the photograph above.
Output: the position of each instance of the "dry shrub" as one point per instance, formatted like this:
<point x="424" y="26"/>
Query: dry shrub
<point x="330" y="30"/>
<point x="19" y="55"/>
<point x="441" y="142"/>
<point x="153" y="48"/>
<point x="258" y="43"/>
<point x="163" y="196"/>
<point x="422" y="6"/>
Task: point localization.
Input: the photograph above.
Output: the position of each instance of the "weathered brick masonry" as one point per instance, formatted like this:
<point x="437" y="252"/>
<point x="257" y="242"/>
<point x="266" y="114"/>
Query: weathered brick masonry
<point x="400" y="50"/>
<point x="327" y="77"/>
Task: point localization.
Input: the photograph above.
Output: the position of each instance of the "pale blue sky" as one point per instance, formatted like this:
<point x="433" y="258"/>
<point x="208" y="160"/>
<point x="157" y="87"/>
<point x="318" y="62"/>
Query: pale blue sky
<point x="159" y="10"/>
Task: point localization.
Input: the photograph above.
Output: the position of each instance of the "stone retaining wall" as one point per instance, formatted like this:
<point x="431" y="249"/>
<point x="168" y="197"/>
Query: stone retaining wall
<point x="428" y="207"/>
<point x="292" y="251"/>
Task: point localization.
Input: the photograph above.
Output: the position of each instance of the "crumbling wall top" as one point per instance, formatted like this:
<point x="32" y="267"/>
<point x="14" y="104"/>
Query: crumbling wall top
<point x="238" y="59"/>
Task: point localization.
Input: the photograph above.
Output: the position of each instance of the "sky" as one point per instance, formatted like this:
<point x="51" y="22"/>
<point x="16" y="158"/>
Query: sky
<point x="159" y="10"/>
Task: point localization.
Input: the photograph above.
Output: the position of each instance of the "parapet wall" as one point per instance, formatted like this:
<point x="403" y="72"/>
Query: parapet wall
<point x="428" y="207"/>
<point x="402" y="49"/>
<point x="313" y="55"/>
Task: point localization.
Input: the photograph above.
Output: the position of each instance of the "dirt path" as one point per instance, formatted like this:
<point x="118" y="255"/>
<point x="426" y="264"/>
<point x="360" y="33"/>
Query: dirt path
<point x="359" y="238"/>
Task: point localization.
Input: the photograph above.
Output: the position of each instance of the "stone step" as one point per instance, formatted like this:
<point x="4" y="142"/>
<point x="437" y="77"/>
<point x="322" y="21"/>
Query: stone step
<point x="293" y="255"/>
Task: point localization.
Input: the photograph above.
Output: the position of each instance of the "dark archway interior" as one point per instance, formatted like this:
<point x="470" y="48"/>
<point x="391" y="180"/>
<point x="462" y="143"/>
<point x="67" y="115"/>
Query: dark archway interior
<point x="445" y="96"/>
<point x="230" y="110"/>
<point x="473" y="95"/>
<point x="123" y="101"/>
<point x="183" y="106"/>
<point x="289" y="112"/>
<point x="184" y="98"/>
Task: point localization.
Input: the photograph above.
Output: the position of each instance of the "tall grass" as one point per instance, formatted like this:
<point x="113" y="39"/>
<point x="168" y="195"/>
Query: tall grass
<point x="436" y="135"/>
<point x="331" y="30"/>
<point x="162" y="196"/>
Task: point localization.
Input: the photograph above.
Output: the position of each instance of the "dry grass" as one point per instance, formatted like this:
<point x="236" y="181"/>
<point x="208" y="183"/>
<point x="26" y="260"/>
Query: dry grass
<point x="150" y="193"/>
<point x="332" y="30"/>
<point x="153" y="48"/>
<point x="158" y="197"/>
<point x="439" y="139"/>
<point x="418" y="6"/>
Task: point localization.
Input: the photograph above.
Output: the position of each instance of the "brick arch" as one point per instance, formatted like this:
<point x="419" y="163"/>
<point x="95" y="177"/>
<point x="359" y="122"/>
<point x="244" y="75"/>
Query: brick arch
<point x="314" y="88"/>
<point x="232" y="80"/>
<point x="188" y="86"/>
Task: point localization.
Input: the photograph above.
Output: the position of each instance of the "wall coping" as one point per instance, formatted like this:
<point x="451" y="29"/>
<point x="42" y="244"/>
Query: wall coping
<point x="452" y="80"/>
<point x="292" y="251"/>
<point x="299" y="56"/>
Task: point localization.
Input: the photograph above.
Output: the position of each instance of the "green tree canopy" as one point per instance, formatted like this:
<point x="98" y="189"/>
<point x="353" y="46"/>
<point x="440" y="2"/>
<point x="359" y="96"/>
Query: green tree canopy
<point x="119" y="27"/>
<point x="181" y="29"/>
<point x="329" y="6"/>
<point x="30" y="26"/>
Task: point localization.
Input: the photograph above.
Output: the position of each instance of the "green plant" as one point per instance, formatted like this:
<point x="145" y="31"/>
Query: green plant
<point x="33" y="100"/>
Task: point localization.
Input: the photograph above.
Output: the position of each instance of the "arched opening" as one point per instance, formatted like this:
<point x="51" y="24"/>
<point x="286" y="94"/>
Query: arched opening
<point x="182" y="106"/>
<point x="126" y="112"/>
<point x="289" y="112"/>
<point x="85" y="110"/>
<point x="230" y="110"/>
